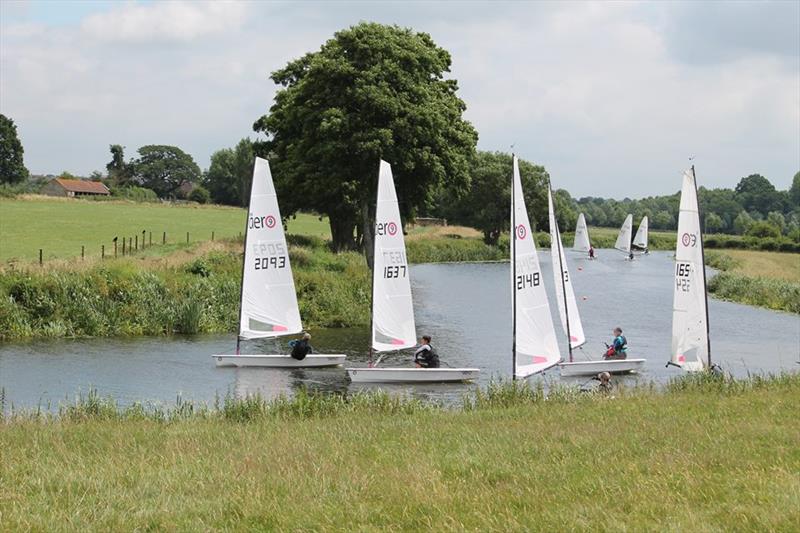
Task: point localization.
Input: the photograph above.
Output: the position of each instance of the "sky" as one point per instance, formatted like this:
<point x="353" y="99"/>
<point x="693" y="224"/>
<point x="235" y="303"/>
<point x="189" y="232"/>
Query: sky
<point x="612" y="98"/>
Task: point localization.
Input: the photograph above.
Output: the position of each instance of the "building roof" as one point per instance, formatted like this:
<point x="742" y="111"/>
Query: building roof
<point x="85" y="186"/>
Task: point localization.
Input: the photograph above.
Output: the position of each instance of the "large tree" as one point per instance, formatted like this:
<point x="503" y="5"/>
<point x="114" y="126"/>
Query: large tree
<point x="118" y="170"/>
<point x="229" y="176"/>
<point x="486" y="204"/>
<point x="12" y="168"/>
<point x="757" y="193"/>
<point x="371" y="92"/>
<point x="164" y="169"/>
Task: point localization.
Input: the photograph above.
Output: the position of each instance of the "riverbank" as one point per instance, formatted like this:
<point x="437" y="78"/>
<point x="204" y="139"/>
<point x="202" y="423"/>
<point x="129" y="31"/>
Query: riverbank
<point x="703" y="455"/>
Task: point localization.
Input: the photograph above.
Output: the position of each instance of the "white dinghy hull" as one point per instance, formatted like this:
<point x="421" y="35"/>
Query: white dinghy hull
<point x="591" y="368"/>
<point x="279" y="361"/>
<point x="412" y="375"/>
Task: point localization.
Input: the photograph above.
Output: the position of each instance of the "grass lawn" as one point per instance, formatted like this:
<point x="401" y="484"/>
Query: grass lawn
<point x="61" y="226"/>
<point x="685" y="460"/>
<point x="777" y="265"/>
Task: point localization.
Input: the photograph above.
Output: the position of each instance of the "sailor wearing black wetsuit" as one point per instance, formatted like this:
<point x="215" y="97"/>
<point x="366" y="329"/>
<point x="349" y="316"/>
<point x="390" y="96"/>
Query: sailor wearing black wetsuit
<point x="426" y="356"/>
<point x="301" y="348"/>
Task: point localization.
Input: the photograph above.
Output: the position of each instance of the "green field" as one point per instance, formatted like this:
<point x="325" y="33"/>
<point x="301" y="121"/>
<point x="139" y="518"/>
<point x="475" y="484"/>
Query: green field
<point x="61" y="226"/>
<point x="710" y="457"/>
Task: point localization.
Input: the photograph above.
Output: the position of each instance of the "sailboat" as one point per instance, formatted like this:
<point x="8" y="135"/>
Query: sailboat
<point x="268" y="302"/>
<point x="582" y="243"/>
<point x="568" y="311"/>
<point x="534" y="345"/>
<point x="393" y="325"/>
<point x="640" y="240"/>
<point x="623" y="243"/>
<point x="691" y="345"/>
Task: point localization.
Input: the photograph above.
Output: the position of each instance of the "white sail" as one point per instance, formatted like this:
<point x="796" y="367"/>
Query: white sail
<point x="623" y="243"/>
<point x="689" y="317"/>
<point x="581" y="243"/>
<point x="269" y="302"/>
<point x="563" y="286"/>
<point x="640" y="240"/>
<point x="536" y="347"/>
<point x="392" y="310"/>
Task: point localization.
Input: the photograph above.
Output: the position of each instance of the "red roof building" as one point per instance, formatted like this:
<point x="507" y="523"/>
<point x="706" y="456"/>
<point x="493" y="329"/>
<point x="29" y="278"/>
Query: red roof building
<point x="72" y="188"/>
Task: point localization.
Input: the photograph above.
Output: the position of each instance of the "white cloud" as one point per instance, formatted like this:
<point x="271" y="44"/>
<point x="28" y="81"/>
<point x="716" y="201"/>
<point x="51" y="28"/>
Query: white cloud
<point x="166" y="21"/>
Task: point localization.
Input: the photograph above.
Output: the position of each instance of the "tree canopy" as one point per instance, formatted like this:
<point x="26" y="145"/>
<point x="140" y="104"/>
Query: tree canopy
<point x="12" y="167"/>
<point x="229" y="176"/>
<point x="371" y="92"/>
<point x="118" y="170"/>
<point x="164" y="169"/>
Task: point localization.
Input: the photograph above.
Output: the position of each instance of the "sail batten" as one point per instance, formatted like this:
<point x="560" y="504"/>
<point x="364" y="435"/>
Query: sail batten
<point x="582" y="243"/>
<point x="535" y="346"/>
<point x="570" y="318"/>
<point x="268" y="301"/>
<point x="393" y="325"/>
<point x="690" y="342"/>
<point x="623" y="243"/>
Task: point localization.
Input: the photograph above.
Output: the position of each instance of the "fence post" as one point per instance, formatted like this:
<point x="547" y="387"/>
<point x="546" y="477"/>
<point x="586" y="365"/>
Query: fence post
<point x="150" y="237"/>
<point x="40" y="257"/>
<point x="187" y="237"/>
<point x="212" y="235"/>
<point x="124" y="242"/>
<point x="103" y="251"/>
<point x="137" y="242"/>
<point x="115" y="246"/>
<point x="164" y="238"/>
<point x="83" y="252"/>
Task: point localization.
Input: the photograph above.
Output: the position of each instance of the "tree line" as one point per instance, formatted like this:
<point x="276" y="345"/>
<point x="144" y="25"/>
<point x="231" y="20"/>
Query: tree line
<point x="374" y="92"/>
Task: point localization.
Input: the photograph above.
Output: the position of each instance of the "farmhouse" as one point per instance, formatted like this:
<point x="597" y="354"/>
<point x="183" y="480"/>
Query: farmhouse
<point x="72" y="188"/>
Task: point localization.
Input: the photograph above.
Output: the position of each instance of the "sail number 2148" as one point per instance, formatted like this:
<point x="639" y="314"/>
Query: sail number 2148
<point x="683" y="276"/>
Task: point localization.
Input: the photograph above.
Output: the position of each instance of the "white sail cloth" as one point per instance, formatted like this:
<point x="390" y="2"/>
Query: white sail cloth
<point x="536" y="348"/>
<point x="563" y="282"/>
<point x="689" y="317"/>
<point x="393" y="325"/>
<point x="269" y="302"/>
<point x="623" y="243"/>
<point x="640" y="240"/>
<point x="581" y="243"/>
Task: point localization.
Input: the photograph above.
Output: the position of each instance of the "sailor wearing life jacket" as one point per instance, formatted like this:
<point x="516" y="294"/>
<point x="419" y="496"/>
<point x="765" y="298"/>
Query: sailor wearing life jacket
<point x="426" y="356"/>
<point x="619" y="346"/>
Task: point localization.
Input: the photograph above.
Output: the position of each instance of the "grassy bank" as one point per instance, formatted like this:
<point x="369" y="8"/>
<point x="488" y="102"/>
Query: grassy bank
<point x="764" y="279"/>
<point x="709" y="456"/>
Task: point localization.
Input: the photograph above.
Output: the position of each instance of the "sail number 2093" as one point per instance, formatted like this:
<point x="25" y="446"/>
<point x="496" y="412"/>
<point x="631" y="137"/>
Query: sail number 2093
<point x="269" y="255"/>
<point x="683" y="273"/>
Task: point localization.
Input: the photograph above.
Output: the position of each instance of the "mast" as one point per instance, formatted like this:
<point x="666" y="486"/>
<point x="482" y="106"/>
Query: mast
<point x="561" y="266"/>
<point x="513" y="270"/>
<point x="372" y="278"/>
<point x="703" y="268"/>
<point x="244" y="256"/>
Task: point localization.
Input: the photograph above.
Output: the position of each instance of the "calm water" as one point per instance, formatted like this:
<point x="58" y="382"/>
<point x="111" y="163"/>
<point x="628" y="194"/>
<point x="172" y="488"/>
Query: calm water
<point x="465" y="307"/>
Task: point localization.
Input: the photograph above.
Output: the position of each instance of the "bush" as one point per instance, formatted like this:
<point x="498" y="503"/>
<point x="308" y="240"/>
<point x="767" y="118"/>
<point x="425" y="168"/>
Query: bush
<point x="200" y="195"/>
<point x="763" y="229"/>
<point x="134" y="193"/>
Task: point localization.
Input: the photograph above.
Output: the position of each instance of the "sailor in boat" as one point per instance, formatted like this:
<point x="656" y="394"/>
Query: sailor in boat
<point x="630" y="256"/>
<point x="301" y="347"/>
<point x="591" y="252"/>
<point x="618" y="349"/>
<point x="426" y="356"/>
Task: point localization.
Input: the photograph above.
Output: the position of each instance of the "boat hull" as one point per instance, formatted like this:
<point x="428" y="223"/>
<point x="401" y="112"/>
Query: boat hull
<point x="591" y="368"/>
<point x="279" y="361"/>
<point x="412" y="375"/>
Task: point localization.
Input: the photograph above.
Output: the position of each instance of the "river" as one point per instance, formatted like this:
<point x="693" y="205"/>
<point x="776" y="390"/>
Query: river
<point x="465" y="307"/>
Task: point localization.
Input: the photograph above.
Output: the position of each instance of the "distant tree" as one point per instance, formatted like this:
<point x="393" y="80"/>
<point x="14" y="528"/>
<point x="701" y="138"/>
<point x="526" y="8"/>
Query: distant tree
<point x="12" y="167"/>
<point x="713" y="223"/>
<point x="230" y="173"/>
<point x="777" y="219"/>
<point x="200" y="195"/>
<point x="662" y="220"/>
<point x="118" y="170"/>
<point x="756" y="193"/>
<point x="485" y="206"/>
<point x="742" y="223"/>
<point x="763" y="229"/>
<point x="794" y="193"/>
<point x="371" y="92"/>
<point x="566" y="210"/>
<point x="164" y="169"/>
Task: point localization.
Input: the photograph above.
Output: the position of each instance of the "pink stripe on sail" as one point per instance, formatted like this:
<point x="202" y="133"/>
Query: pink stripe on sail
<point x="276" y="327"/>
<point x="397" y="342"/>
<point x="573" y="338"/>
<point x="681" y="359"/>
<point x="539" y="359"/>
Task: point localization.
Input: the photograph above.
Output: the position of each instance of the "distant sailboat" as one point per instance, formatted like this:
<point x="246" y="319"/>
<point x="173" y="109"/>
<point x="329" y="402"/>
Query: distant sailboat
<point x="582" y="243"/>
<point x="640" y="240"/>
<point x="534" y="345"/>
<point x="393" y="325"/>
<point x="623" y="243"/>
<point x="268" y="302"/>
<point x="691" y="345"/>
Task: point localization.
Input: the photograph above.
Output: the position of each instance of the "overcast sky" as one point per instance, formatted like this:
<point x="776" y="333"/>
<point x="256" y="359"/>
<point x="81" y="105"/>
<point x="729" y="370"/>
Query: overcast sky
<point x="611" y="97"/>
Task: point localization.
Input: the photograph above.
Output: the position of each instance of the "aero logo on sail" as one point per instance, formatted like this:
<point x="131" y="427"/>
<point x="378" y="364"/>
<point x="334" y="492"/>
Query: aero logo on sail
<point x="385" y="228"/>
<point x="259" y="222"/>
